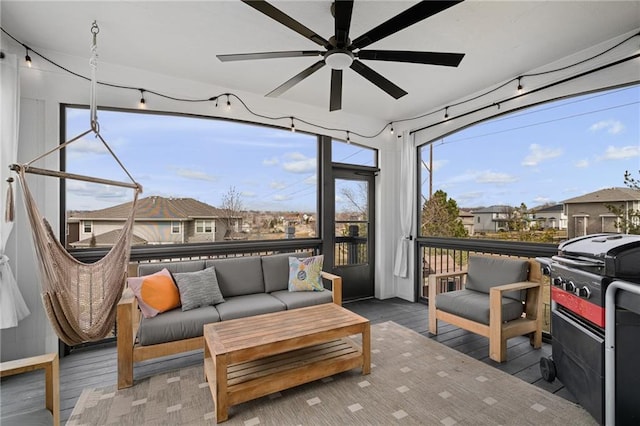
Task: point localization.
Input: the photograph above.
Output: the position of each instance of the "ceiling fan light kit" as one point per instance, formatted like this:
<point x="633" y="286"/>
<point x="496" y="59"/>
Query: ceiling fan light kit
<point x="339" y="54"/>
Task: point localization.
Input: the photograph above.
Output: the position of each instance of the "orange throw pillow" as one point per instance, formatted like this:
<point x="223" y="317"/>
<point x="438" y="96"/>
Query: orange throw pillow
<point x="160" y="293"/>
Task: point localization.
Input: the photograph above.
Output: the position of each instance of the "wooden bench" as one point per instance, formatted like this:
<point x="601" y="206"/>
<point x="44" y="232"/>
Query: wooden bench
<point x="255" y="356"/>
<point x="50" y="364"/>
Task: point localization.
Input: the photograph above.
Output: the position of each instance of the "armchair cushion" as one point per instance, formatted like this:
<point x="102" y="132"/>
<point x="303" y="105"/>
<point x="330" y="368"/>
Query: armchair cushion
<point x="474" y="305"/>
<point x="486" y="272"/>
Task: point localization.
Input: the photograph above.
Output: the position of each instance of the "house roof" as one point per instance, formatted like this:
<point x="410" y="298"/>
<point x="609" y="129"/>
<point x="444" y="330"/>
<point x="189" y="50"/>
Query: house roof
<point x="156" y="208"/>
<point x="109" y="239"/>
<point x="554" y="208"/>
<point x="607" y="195"/>
<point x="493" y="209"/>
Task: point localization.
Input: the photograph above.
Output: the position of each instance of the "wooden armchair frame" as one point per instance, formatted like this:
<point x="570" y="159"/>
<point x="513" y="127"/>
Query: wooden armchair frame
<point x="130" y="351"/>
<point x="50" y="364"/>
<point x="497" y="331"/>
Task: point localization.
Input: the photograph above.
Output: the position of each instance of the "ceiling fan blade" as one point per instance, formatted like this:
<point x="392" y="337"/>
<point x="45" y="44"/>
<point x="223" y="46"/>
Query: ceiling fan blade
<point x="377" y="79"/>
<point x="414" y="14"/>
<point x="286" y="20"/>
<point x="335" y="100"/>
<point x="431" y="58"/>
<point x="268" y="55"/>
<point x="342" y="12"/>
<point x="295" y="79"/>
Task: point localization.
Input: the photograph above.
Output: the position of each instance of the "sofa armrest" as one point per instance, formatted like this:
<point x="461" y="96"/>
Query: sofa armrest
<point x="336" y="286"/>
<point x="48" y="362"/>
<point x="532" y="302"/>
<point x="128" y="321"/>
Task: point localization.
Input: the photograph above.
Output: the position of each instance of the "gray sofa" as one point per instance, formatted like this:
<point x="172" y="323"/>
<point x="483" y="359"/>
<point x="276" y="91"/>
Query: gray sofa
<point x="250" y="285"/>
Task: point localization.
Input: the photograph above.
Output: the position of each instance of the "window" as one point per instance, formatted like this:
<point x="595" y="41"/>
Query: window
<point x="246" y="175"/>
<point x="350" y="153"/>
<point x="534" y="159"/>
<point x="175" y="227"/>
<point x="204" y="226"/>
<point x="87" y="226"/>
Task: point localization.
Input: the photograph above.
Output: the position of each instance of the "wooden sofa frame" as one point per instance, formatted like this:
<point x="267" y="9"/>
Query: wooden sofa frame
<point x="51" y="366"/>
<point x="497" y="331"/>
<point x="130" y="352"/>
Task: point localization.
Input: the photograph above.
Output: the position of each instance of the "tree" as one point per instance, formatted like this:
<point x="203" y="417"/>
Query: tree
<point x="231" y="212"/>
<point x="628" y="221"/>
<point x="357" y="199"/>
<point x="440" y="217"/>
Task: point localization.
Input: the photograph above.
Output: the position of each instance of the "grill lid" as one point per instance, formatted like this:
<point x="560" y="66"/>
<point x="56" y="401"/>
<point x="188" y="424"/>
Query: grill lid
<point x="618" y="253"/>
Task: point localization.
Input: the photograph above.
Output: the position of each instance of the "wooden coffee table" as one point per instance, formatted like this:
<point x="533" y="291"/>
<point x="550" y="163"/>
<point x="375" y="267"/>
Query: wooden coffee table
<point x="251" y="357"/>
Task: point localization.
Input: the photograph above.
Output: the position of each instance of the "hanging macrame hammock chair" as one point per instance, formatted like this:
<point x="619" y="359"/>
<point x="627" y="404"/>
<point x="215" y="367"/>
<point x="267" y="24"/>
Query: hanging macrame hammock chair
<point x="79" y="298"/>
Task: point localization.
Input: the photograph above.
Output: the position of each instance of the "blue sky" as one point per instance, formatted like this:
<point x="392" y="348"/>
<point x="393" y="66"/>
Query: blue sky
<point x="180" y="156"/>
<point x="549" y="153"/>
<point x="545" y="154"/>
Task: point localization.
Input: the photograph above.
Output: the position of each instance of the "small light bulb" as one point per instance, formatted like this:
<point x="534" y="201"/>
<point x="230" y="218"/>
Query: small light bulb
<point x="228" y="104"/>
<point x="446" y="113"/>
<point x="391" y="129"/>
<point x="293" y="126"/>
<point x="348" y="138"/>
<point x="519" y="85"/>
<point x="27" y="58"/>
<point x="143" y="103"/>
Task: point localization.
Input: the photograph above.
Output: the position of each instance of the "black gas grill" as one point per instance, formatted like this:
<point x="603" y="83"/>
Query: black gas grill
<point x="580" y="274"/>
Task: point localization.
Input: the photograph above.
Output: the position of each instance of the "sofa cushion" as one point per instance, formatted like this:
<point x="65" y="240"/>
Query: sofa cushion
<point x="180" y="266"/>
<point x="238" y="276"/>
<point x="474" y="305"/>
<point x="198" y="288"/>
<point x="176" y="325"/>
<point x="275" y="269"/>
<point x="300" y="299"/>
<point x="156" y="293"/>
<point x="248" y="305"/>
<point x="485" y="272"/>
<point x="304" y="274"/>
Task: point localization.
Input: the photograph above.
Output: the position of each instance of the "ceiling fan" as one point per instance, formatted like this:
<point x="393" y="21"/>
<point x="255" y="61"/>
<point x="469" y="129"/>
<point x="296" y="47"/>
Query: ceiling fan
<point x="341" y="53"/>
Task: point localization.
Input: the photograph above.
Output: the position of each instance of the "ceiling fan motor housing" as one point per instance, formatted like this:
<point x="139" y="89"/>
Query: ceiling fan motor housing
<point x="338" y="59"/>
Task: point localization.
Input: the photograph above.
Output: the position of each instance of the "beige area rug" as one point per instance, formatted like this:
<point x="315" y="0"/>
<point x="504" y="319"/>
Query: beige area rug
<point x="414" y="380"/>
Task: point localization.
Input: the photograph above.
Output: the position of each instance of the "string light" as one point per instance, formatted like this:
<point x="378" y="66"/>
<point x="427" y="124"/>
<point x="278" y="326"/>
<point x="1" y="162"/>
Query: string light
<point x="143" y="103"/>
<point x="446" y="113"/>
<point x="519" y="85"/>
<point x="293" y="127"/>
<point x="329" y="129"/>
<point x="27" y="58"/>
<point x="391" y="129"/>
<point x="348" y="138"/>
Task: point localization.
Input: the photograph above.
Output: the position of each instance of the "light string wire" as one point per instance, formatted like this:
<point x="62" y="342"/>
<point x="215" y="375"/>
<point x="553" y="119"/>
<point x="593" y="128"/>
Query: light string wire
<point x="319" y="126"/>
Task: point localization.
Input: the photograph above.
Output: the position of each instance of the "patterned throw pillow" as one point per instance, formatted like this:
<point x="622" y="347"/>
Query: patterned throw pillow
<point x="156" y="293"/>
<point x="304" y="274"/>
<point x="198" y="288"/>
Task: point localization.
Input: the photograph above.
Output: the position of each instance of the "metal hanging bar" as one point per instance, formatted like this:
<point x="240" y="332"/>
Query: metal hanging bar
<point x="45" y="172"/>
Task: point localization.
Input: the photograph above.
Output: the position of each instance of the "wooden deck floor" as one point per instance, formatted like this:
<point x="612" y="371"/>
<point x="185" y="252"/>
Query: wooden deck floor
<point x="96" y="366"/>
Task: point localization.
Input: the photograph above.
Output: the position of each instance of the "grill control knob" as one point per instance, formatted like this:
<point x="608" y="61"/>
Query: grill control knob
<point x="583" y="292"/>
<point x="557" y="281"/>
<point x="570" y="286"/>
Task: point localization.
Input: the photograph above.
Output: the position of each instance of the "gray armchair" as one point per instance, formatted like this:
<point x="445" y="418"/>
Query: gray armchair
<point x="499" y="300"/>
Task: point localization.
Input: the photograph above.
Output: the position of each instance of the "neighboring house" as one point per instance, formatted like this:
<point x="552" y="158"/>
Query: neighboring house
<point x="588" y="214"/>
<point x="158" y="220"/>
<point x="492" y="219"/>
<point x="467" y="221"/>
<point x="550" y="217"/>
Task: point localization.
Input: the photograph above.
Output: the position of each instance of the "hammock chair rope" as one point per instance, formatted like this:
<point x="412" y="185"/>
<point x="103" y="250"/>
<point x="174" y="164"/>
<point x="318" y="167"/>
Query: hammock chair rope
<point x="80" y="299"/>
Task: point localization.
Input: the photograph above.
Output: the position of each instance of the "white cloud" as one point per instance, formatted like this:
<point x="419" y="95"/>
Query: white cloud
<point x="281" y="197"/>
<point x="195" y="175"/>
<point x="469" y="197"/>
<point x="277" y="185"/>
<point x="621" y="153"/>
<point x="541" y="200"/>
<point x="611" y="126"/>
<point x="98" y="191"/>
<point x="539" y="153"/>
<point x="311" y="180"/>
<point x="299" y="163"/>
<point x="437" y="165"/>
<point x="270" y="161"/>
<point x="495" y="177"/>
<point x="581" y="164"/>
<point x="248" y="194"/>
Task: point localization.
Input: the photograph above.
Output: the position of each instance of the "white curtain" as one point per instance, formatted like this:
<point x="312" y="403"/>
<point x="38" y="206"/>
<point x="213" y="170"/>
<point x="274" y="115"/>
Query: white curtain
<point x="406" y="204"/>
<point x="12" y="305"/>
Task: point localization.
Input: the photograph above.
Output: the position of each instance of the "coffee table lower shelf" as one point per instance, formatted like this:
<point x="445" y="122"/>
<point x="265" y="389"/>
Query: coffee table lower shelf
<point x="250" y="380"/>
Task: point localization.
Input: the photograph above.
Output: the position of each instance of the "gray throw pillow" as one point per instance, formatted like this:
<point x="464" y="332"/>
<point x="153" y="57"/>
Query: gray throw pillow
<point x="198" y="288"/>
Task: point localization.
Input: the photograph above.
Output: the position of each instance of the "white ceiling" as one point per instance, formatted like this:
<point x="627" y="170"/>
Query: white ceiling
<point x="501" y="39"/>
